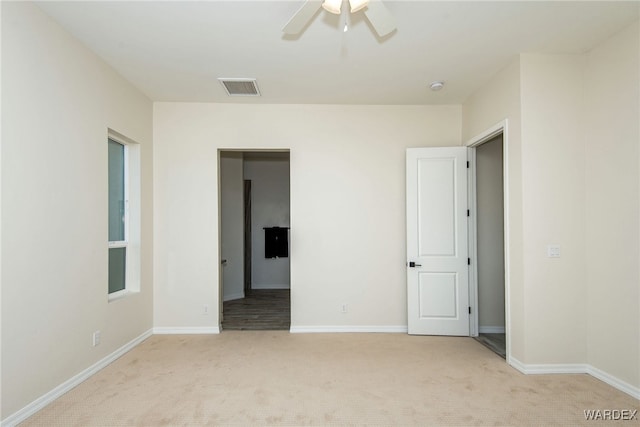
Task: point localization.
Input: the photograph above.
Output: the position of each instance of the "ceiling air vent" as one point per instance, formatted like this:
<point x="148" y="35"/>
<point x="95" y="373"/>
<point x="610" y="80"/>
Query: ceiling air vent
<point x="240" y="87"/>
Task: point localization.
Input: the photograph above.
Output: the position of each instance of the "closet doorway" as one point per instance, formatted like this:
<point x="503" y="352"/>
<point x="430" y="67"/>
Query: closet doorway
<point x="490" y="248"/>
<point x="254" y="240"/>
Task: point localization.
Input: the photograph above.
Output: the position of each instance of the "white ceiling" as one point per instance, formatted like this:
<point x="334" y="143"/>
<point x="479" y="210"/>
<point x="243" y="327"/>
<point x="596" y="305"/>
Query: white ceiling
<point x="175" y="51"/>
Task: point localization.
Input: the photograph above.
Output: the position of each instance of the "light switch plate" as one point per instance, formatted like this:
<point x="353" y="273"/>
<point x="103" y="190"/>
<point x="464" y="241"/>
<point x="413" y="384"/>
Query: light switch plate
<point x="553" y="251"/>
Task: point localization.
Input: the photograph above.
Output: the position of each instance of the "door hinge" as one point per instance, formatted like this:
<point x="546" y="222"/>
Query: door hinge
<point x="468" y="261"/>
<point x="468" y="212"/>
<point x="469" y="310"/>
<point x="467" y="165"/>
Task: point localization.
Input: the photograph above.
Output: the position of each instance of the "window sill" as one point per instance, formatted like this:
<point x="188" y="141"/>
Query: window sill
<point x="120" y="294"/>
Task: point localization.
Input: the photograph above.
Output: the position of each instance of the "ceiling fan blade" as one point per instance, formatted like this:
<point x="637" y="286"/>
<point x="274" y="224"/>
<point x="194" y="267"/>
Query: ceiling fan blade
<point x="302" y="17"/>
<point x="380" y="18"/>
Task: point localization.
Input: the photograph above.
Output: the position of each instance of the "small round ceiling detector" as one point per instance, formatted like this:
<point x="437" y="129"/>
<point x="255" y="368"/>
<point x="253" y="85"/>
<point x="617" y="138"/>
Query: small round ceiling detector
<point x="436" y="86"/>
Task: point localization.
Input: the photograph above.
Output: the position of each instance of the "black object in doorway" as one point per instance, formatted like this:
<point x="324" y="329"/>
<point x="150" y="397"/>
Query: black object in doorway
<point x="276" y="242"/>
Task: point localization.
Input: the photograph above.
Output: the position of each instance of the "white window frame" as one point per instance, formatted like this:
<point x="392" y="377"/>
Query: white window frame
<point x="131" y="216"/>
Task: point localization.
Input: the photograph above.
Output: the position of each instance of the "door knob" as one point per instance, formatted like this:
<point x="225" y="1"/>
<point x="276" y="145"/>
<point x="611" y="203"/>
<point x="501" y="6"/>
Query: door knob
<point x="413" y="264"/>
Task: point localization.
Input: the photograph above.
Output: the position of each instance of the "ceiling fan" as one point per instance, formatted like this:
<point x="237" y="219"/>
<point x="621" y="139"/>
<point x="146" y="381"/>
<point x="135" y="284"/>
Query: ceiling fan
<point x="378" y="15"/>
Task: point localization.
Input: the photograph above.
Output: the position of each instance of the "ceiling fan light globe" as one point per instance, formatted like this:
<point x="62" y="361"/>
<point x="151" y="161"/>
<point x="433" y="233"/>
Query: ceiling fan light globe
<point x="332" y="6"/>
<point x="357" y="5"/>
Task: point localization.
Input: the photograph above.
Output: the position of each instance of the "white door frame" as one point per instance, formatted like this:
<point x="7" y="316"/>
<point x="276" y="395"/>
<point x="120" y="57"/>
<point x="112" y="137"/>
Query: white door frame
<point x="472" y="144"/>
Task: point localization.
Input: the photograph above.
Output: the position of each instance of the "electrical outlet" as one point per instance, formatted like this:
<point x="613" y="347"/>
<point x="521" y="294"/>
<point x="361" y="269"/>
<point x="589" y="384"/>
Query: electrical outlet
<point x="96" y="338"/>
<point x="344" y="308"/>
<point x="205" y="309"/>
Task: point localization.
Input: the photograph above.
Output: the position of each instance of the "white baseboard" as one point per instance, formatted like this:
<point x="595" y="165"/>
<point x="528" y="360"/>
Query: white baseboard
<point x="624" y="386"/>
<point x="357" y="329"/>
<point x="549" y="368"/>
<point x="231" y="297"/>
<point x="52" y="395"/>
<point x="193" y="330"/>
<point x="268" y="286"/>
<point x="576" y="368"/>
<point x="491" y="329"/>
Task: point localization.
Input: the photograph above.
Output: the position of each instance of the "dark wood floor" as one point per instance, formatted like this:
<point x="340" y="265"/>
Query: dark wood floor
<point x="495" y="342"/>
<point x="263" y="309"/>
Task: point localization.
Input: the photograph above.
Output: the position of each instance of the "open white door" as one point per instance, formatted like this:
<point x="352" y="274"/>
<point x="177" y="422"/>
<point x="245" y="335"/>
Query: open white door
<point x="437" y="245"/>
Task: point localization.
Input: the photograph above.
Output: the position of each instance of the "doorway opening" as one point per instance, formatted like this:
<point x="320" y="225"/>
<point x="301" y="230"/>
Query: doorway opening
<point x="254" y="240"/>
<point x="488" y="236"/>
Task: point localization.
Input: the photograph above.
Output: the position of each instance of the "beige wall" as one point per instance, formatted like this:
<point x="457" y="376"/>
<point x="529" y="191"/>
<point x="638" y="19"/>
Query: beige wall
<point x="553" y="207"/>
<point x="347" y="204"/>
<point x="612" y="205"/>
<point x="540" y="97"/>
<point x="574" y="180"/>
<point x="58" y="100"/>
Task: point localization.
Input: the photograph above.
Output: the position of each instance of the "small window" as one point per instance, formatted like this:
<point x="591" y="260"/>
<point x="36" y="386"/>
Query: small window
<point x="124" y="216"/>
<point x="117" y="216"/>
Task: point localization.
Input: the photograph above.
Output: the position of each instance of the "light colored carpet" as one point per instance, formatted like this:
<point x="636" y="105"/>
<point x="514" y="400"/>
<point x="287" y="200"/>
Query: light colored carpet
<point x="277" y="378"/>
